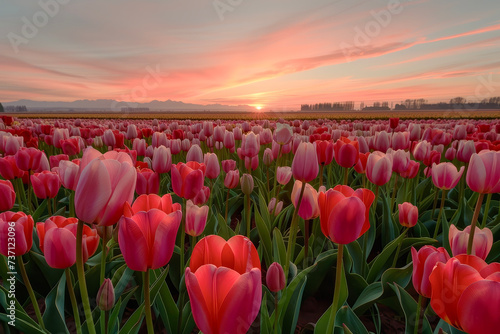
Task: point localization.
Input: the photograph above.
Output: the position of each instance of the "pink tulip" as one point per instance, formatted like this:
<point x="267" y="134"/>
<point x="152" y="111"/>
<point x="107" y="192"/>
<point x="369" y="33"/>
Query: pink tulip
<point x="228" y="165"/>
<point x="213" y="167"/>
<point x="195" y="154"/>
<point x="68" y="174"/>
<point x="252" y="163"/>
<point x="346" y="152"/>
<point x="275" y="277"/>
<point x="229" y="140"/>
<point x="309" y="208"/>
<point x="422" y="150"/>
<point x="481" y="245"/>
<point x="162" y="159"/>
<point x="400" y="160"/>
<point x="250" y="145"/>
<point x="379" y="168"/>
<point x="305" y="166"/>
<point x="411" y="171"/>
<point x="9" y="169"/>
<point x="106" y="296"/>
<point x="283" y="134"/>
<point x="273" y="207"/>
<point x="28" y="158"/>
<point x="267" y="158"/>
<point x="187" y="179"/>
<point x="105" y="184"/>
<point x="408" y="214"/>
<point x="445" y="175"/>
<point x="232" y="179"/>
<point x="283" y="175"/>
<point x="360" y="166"/>
<point x="196" y="218"/>
<point x="224" y="285"/>
<point x="148" y="182"/>
<point x="483" y="175"/>
<point x="465" y="150"/>
<point x="45" y="184"/>
<point x="7" y="195"/>
<point x="202" y="196"/>
<point x="58" y="241"/>
<point x="147" y="239"/>
<point x="423" y="262"/>
<point x="22" y="225"/>
<point x="55" y="159"/>
<point x="150" y="202"/>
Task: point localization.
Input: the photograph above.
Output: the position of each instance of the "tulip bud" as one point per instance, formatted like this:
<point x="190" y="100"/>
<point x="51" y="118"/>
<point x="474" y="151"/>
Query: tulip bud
<point x="275" y="277"/>
<point x="247" y="184"/>
<point x="267" y="159"/>
<point x="7" y="195"/>
<point x="106" y="295"/>
<point x="228" y="165"/>
<point x="283" y="175"/>
<point x="272" y="204"/>
<point x="408" y="214"/>
<point x="196" y="218"/>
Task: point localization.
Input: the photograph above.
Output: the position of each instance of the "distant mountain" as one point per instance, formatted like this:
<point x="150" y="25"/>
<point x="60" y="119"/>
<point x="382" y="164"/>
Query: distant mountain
<point x="113" y="105"/>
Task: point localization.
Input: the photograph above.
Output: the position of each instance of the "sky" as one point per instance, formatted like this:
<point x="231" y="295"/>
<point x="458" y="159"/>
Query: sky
<point x="273" y="54"/>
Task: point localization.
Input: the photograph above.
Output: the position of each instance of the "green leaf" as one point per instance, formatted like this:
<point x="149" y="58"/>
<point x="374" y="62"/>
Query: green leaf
<point x="292" y="312"/>
<point x="38" y="212"/>
<point x="134" y="322"/>
<point x="54" y="316"/>
<point x="166" y="306"/>
<point x="378" y="264"/>
<point x="224" y="230"/>
<point x="265" y="236"/>
<point x="356" y="254"/>
<point x="345" y="316"/>
<point x="23" y="321"/>
<point x="279" y="250"/>
<point x="409" y="307"/>
<point x="265" y="321"/>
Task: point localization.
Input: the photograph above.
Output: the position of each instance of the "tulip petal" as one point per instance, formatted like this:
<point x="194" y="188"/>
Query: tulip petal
<point x="133" y="245"/>
<point x="164" y="242"/>
<point x="60" y="248"/>
<point x="479" y="307"/>
<point x="346" y="220"/>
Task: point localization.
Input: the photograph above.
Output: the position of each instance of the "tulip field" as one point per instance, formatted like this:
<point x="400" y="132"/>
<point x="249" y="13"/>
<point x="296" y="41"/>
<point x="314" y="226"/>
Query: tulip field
<point x="249" y="226"/>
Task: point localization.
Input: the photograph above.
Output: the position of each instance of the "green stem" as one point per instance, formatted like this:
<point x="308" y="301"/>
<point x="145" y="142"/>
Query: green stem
<point x="183" y="236"/>
<point x="438" y="223"/>
<point x="419" y="314"/>
<point x="486" y="209"/>
<point x="74" y="305"/>
<point x="346" y="175"/>
<point x="394" y="191"/>
<point x="306" y="241"/>
<point x="293" y="231"/>
<point x="227" y="205"/>
<point x="473" y="223"/>
<point x="18" y="194"/>
<point x="147" y="302"/>
<point x="31" y="293"/>
<point x="81" y="279"/>
<point x="248" y="214"/>
<point x="276" y="172"/>
<point x="399" y="248"/>
<point x="72" y="204"/>
<point x="434" y="205"/>
<point x="321" y="166"/>
<point x="336" y="293"/>
<point x="49" y="207"/>
<point x="103" y="272"/>
<point x="276" y="315"/>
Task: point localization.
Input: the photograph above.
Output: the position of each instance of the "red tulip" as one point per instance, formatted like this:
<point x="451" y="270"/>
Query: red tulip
<point x="483" y="175"/>
<point x="58" y="241"/>
<point x="202" y="196"/>
<point x="344" y="213"/>
<point x="55" y="159"/>
<point x="408" y="214"/>
<point x="224" y="284"/>
<point x="411" y="171"/>
<point x="346" y="152"/>
<point x="187" y="179"/>
<point x="150" y="202"/>
<point x="196" y="218"/>
<point x="324" y="150"/>
<point x="423" y="262"/>
<point x="7" y="195"/>
<point x="70" y="146"/>
<point x="305" y="166"/>
<point x="19" y="226"/>
<point x="28" y="158"/>
<point x="445" y="175"/>
<point x="147" y="239"/>
<point x="105" y="184"/>
<point x="360" y="166"/>
<point x="275" y="277"/>
<point x="481" y="245"/>
<point x="393" y="122"/>
<point x="454" y="287"/>
<point x="9" y="169"/>
<point x="148" y="182"/>
<point x="45" y="184"/>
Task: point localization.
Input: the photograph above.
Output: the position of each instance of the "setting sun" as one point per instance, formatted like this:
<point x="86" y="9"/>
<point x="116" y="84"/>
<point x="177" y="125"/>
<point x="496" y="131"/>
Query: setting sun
<point x="258" y="107"/>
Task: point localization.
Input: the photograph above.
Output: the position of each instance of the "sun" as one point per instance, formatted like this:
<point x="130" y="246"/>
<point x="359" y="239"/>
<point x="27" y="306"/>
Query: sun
<point x="258" y="107"/>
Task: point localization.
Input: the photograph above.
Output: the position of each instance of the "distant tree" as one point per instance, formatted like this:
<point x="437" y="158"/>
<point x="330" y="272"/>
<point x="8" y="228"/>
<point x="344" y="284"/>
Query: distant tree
<point x="458" y="100"/>
<point x="1" y="108"/>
